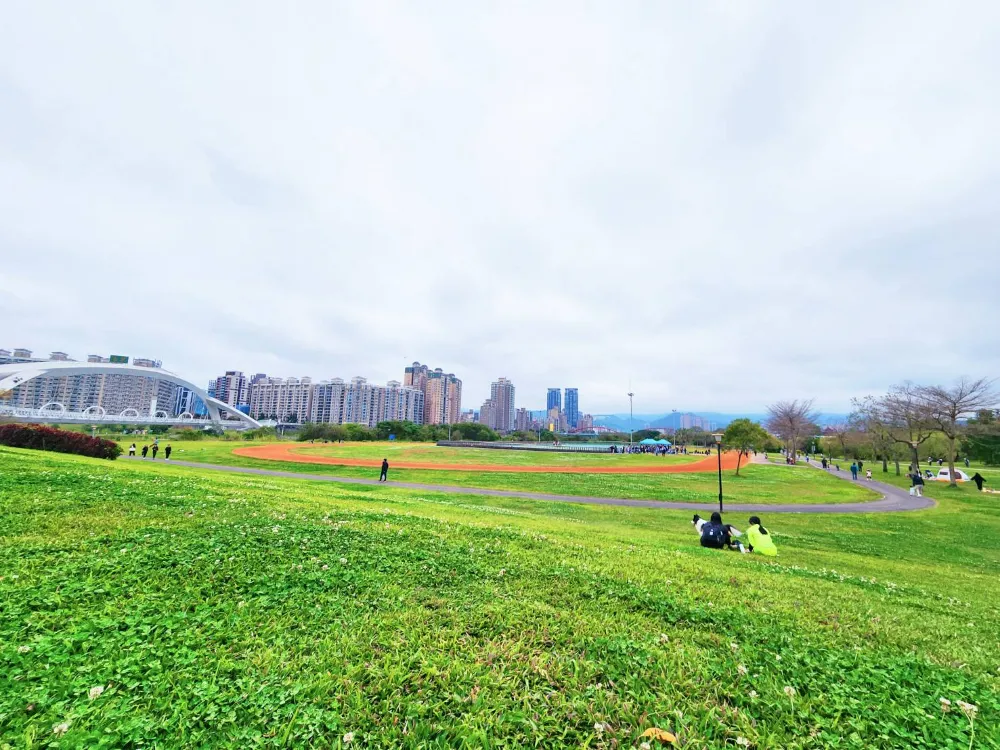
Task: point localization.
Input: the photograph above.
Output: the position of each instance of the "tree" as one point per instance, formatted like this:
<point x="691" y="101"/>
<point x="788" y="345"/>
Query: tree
<point x="869" y="419"/>
<point x="948" y="408"/>
<point x="982" y="439"/>
<point x="906" y="418"/>
<point x="744" y="436"/>
<point x="792" y="421"/>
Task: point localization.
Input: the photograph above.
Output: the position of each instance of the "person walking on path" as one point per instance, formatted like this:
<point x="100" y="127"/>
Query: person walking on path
<point x="168" y="449"/>
<point x="979" y="479"/>
<point x="156" y="448"/>
<point x="145" y="450"/>
<point x="384" y="476"/>
<point x="854" y="470"/>
<point x="131" y="451"/>
<point x="868" y="475"/>
<point x="824" y="462"/>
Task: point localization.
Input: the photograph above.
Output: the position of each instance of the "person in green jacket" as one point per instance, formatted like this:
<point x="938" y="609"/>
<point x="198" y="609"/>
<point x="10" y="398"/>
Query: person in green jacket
<point x="759" y="540"/>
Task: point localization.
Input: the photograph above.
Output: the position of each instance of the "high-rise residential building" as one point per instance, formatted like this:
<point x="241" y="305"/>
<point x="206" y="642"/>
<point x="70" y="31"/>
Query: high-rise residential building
<point x="572" y="410"/>
<point x="469" y="415"/>
<point x="400" y="403"/>
<point x="488" y="414"/>
<point x="328" y="401"/>
<point x="442" y="393"/>
<point x="522" y="420"/>
<point x="361" y="400"/>
<point x="284" y="399"/>
<point x="586" y="422"/>
<point x="502" y="396"/>
<point x="556" y="420"/>
<point x="553" y="398"/>
<point x="232" y="388"/>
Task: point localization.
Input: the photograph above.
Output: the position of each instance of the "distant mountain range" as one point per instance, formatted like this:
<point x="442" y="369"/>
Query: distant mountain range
<point x="673" y="420"/>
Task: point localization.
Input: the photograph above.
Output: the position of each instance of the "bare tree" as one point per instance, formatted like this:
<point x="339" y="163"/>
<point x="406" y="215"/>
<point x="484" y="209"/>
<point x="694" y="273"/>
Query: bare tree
<point x="841" y="431"/>
<point x="906" y="417"/>
<point x="791" y="421"/>
<point x="948" y="408"/>
<point x="870" y="421"/>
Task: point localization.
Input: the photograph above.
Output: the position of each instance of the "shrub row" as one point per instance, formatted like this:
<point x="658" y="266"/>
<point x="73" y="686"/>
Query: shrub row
<point x="61" y="441"/>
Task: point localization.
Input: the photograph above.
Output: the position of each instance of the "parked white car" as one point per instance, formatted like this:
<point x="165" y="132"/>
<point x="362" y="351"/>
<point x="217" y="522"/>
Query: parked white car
<point x="944" y="476"/>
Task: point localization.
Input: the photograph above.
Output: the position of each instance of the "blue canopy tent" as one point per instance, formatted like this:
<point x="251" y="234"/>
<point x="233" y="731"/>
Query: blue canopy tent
<point x="647" y="441"/>
<point x="664" y="442"/>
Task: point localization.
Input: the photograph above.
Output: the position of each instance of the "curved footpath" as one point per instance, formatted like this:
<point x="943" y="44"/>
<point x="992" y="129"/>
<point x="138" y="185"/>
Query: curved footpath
<point x="285" y="452"/>
<point x="894" y="499"/>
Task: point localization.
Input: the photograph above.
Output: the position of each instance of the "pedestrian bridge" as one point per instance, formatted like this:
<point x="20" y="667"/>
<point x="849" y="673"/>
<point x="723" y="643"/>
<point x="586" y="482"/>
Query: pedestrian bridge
<point x="220" y="414"/>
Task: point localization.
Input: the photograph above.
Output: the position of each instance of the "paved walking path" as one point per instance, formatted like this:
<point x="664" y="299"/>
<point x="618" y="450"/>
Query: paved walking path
<point x="893" y="500"/>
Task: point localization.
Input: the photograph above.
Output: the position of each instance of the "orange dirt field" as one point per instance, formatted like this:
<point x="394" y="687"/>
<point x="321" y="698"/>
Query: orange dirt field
<point x="285" y="452"/>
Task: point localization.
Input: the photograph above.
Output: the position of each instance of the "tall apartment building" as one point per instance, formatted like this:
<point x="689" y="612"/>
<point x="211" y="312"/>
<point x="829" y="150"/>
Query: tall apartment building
<point x="572" y="409"/>
<point x="400" y="403"/>
<point x="328" y="401"/>
<point x="361" y="401"/>
<point x="553" y="398"/>
<point x="442" y="393"/>
<point x="232" y="388"/>
<point x="284" y="399"/>
<point x="488" y="414"/>
<point x="502" y="396"/>
<point x="522" y="420"/>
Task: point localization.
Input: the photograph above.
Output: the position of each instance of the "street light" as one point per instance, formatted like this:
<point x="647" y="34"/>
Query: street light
<point x="718" y="448"/>
<point x="630" y="395"/>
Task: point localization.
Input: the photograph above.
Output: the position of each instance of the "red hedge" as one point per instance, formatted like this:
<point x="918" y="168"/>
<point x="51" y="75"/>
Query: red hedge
<point x="61" y="441"/>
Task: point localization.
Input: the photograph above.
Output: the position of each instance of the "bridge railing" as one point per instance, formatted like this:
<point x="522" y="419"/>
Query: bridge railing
<point x="57" y="416"/>
<point x="512" y="446"/>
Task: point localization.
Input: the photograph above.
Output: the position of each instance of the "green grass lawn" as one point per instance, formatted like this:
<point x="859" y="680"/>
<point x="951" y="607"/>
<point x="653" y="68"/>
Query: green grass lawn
<point x="756" y="484"/>
<point x="431" y="453"/>
<point x="236" y="611"/>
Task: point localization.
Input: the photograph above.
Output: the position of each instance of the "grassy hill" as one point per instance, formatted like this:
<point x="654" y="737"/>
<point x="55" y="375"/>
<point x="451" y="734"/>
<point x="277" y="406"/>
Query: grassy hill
<point x="235" y="611"/>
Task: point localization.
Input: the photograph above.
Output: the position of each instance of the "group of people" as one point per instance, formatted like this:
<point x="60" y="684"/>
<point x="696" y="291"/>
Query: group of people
<point x="154" y="449"/>
<point x="718" y="535"/>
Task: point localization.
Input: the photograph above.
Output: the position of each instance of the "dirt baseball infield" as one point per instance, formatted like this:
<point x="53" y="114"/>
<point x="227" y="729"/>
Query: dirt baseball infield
<point x="285" y="452"/>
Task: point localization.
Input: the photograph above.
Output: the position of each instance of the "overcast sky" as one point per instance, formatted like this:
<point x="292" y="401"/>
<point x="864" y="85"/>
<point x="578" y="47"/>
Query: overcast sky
<point x="723" y="203"/>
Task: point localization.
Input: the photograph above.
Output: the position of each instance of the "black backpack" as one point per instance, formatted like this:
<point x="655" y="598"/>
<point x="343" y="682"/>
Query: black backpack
<point x="713" y="535"/>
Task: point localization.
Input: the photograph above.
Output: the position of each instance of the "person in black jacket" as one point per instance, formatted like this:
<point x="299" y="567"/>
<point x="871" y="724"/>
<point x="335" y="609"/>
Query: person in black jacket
<point x="716" y="534"/>
<point x="383" y="477"/>
<point x="978" y="479"/>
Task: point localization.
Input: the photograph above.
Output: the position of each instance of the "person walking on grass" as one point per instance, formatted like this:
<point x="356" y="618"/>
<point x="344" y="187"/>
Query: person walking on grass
<point x="966" y="462"/>
<point x="854" y="470"/>
<point x="145" y="450"/>
<point x="384" y="476"/>
<point x="979" y="479"/>
<point x="156" y="449"/>
<point x="131" y="451"/>
<point x="168" y="450"/>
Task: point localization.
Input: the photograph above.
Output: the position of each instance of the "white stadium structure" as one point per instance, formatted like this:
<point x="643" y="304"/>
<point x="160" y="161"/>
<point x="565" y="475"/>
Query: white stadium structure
<point x="87" y="386"/>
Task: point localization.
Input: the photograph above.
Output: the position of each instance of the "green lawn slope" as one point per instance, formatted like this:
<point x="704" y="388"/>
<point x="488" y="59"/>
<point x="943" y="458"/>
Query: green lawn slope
<point x="235" y="611"/>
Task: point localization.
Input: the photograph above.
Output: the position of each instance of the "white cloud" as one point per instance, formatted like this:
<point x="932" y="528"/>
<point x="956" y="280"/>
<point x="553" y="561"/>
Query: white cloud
<point x="723" y="204"/>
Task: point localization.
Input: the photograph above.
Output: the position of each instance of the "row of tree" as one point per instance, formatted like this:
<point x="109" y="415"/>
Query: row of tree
<point x="408" y="431"/>
<point x="900" y="423"/>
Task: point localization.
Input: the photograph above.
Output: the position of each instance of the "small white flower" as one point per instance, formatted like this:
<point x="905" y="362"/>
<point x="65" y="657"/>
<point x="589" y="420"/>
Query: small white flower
<point x="325" y="567"/>
<point x="734" y="647"/>
<point x="789" y="691"/>
<point x="343" y="561"/>
<point x="241" y="605"/>
<point x="95" y="692"/>
<point x="60" y="729"/>
<point x="23" y="649"/>
<point x="752" y="693"/>
<point x="968" y="709"/>
<point x="743" y="742"/>
<point x="349" y="738"/>
<point x="503" y="572"/>
<point x="664" y="638"/>
<point x="741" y="669"/>
<point x="599" y="728"/>
<point x="777" y="657"/>
<point x="645" y="746"/>
<point x="945" y="705"/>
<point x="122" y="551"/>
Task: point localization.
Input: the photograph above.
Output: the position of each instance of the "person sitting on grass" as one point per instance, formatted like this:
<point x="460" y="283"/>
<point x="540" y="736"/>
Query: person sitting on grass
<point x="758" y="540"/>
<point x="717" y="535"/>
